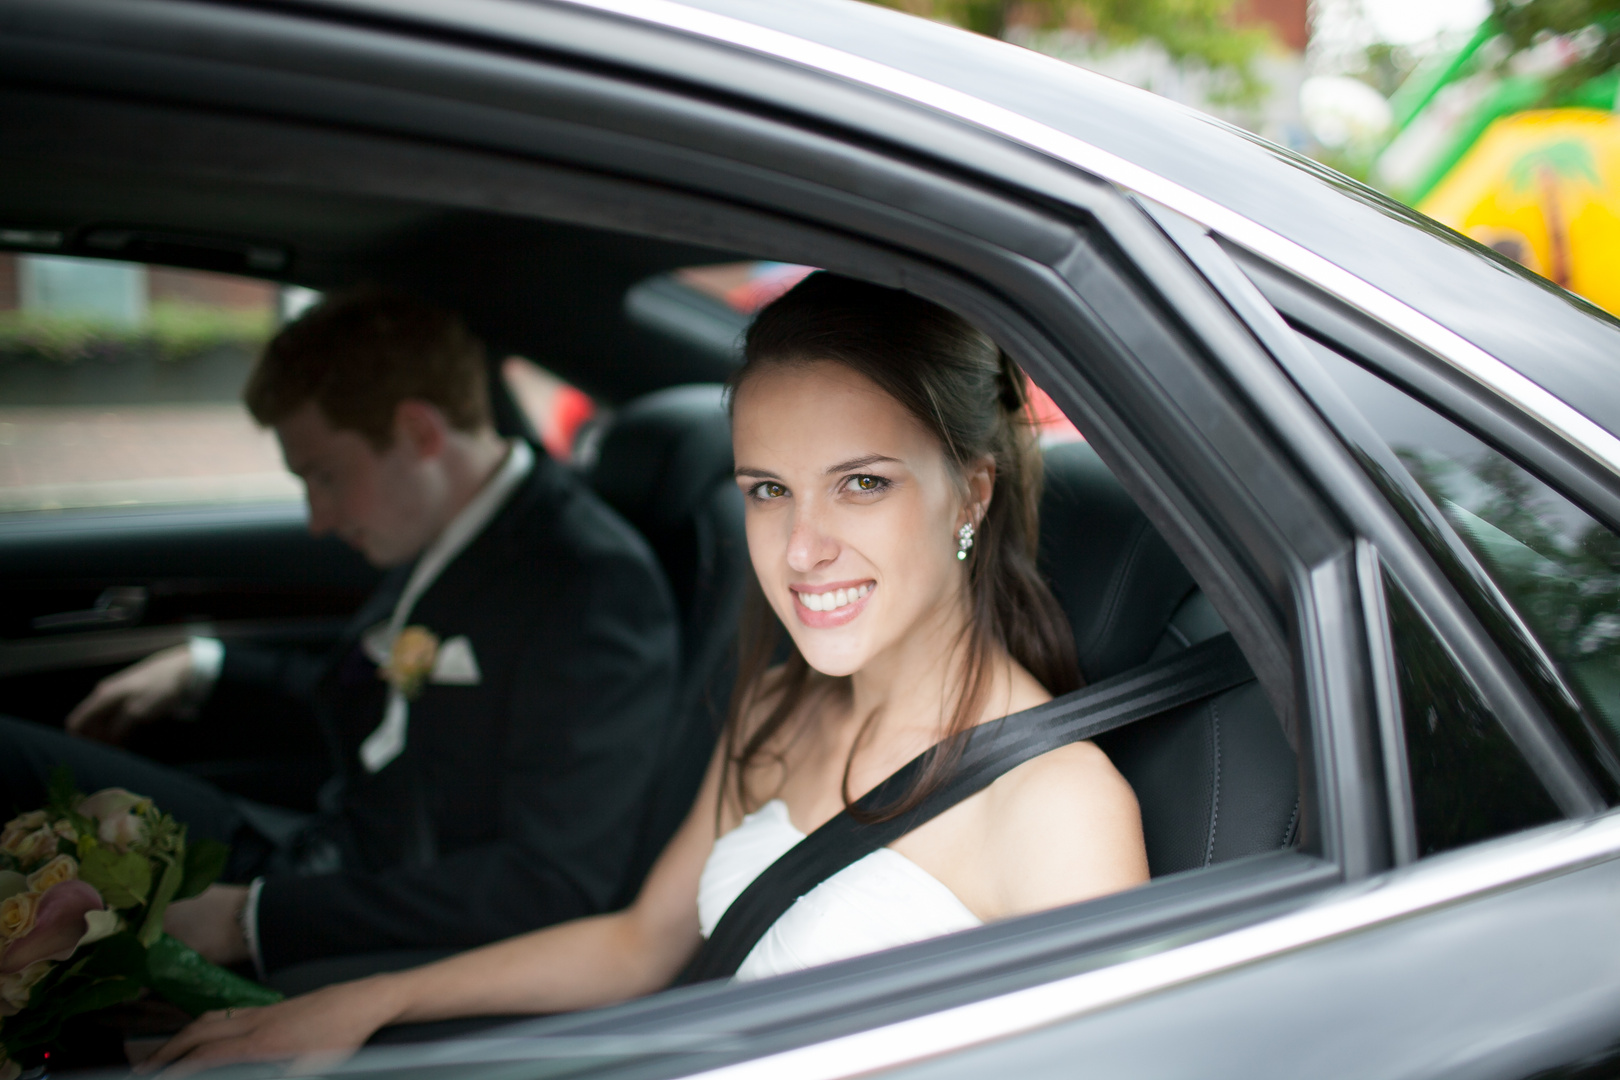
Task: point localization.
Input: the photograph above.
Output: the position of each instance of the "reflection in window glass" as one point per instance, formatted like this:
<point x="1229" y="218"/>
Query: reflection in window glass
<point x="1559" y="567"/>
<point x="120" y="385"/>
<point x="1469" y="781"/>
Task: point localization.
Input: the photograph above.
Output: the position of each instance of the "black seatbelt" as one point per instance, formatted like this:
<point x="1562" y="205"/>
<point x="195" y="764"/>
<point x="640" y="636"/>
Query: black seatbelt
<point x="989" y="750"/>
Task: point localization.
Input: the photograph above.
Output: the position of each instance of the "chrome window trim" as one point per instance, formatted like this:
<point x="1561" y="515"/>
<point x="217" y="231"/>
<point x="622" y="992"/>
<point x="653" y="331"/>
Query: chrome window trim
<point x="1541" y="404"/>
<point x="1442" y="880"/>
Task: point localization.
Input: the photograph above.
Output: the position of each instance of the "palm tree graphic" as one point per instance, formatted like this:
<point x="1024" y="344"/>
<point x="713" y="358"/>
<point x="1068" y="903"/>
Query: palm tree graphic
<point x="1548" y="167"/>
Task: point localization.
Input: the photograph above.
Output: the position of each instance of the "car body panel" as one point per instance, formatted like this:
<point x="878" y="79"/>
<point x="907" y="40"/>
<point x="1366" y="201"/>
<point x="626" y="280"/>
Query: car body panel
<point x="1196" y="409"/>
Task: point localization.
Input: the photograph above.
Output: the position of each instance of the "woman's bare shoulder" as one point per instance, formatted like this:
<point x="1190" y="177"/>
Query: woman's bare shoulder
<point x="1078" y="778"/>
<point x="1064" y="827"/>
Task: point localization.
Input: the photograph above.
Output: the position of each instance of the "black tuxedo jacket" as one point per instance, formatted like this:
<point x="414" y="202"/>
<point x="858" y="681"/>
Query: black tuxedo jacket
<point x="516" y="802"/>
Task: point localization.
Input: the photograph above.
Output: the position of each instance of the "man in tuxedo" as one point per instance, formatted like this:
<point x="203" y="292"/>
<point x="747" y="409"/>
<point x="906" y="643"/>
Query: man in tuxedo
<point x="494" y="711"/>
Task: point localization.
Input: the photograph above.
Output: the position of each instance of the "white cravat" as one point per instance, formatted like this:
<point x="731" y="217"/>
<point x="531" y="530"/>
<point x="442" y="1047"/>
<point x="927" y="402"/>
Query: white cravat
<point x="385" y="743"/>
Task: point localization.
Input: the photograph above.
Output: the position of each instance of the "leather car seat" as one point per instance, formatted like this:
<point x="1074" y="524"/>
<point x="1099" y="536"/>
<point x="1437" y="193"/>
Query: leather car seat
<point x="664" y="463"/>
<point x="1215" y="780"/>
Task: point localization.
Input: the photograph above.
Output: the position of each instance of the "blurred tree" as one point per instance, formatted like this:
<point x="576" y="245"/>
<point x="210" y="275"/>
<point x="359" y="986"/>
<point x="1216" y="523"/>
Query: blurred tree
<point x="1592" y="28"/>
<point x="1203" y="32"/>
<point x="1384" y="66"/>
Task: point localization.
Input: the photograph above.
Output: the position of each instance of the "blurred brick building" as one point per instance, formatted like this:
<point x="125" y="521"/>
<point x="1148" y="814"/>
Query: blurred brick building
<point x="1289" y="18"/>
<point x="1145" y="64"/>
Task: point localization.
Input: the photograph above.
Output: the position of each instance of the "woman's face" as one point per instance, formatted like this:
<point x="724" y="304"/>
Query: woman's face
<point x="852" y="512"/>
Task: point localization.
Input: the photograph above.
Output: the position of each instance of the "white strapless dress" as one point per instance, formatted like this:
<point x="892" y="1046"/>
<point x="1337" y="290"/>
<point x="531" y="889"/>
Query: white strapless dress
<point x="877" y="902"/>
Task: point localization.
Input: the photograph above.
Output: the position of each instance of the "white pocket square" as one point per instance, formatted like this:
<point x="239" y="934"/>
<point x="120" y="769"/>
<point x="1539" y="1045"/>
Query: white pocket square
<point x="455" y="664"/>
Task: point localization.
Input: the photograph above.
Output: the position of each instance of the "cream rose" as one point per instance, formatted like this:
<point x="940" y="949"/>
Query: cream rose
<point x="60" y="869"/>
<point x="37" y="845"/>
<point x="17" y="914"/>
<point x="15" y="989"/>
<point x="33" y="846"/>
<point x="21" y="826"/>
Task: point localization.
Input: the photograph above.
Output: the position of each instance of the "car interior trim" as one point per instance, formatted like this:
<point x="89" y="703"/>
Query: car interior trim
<point x="1468" y="358"/>
<point x="1441" y="880"/>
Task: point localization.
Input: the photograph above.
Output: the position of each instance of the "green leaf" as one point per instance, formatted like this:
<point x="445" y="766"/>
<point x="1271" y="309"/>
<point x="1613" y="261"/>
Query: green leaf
<point x="60" y="792"/>
<point x="180" y="975"/>
<point x="124" y="881"/>
<point x="100" y="994"/>
<point x="166" y="886"/>
<point x="205" y="861"/>
<point x="121" y="954"/>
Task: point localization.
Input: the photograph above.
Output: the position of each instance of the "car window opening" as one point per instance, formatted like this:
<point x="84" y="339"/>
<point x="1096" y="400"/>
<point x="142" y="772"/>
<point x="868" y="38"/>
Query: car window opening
<point x="1215" y="780"/>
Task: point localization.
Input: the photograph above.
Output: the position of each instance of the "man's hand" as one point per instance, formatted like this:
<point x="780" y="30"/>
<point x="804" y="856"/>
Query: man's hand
<point x="211" y="923"/>
<point x="141" y="692"/>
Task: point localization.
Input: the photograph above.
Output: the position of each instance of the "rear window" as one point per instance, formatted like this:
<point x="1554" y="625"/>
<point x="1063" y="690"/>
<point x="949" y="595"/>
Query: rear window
<point x="120" y="385"/>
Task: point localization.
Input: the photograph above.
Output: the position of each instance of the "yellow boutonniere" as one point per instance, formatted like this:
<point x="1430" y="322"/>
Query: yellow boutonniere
<point x="410" y="661"/>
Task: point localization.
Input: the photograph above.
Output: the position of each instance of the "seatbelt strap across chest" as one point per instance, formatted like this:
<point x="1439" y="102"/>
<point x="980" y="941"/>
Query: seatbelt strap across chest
<point x="989" y="751"/>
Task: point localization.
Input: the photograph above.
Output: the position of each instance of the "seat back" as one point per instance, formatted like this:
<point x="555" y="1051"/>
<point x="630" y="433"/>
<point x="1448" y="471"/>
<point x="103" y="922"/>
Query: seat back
<point x="1216" y="779"/>
<point x="664" y="463"/>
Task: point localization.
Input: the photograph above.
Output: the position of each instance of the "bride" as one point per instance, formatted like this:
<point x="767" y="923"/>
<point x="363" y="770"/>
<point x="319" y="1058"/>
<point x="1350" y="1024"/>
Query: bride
<point x="891" y="483"/>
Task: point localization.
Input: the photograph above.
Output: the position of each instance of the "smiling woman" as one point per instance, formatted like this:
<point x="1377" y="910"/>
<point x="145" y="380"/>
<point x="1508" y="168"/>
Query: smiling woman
<point x="859" y="363"/>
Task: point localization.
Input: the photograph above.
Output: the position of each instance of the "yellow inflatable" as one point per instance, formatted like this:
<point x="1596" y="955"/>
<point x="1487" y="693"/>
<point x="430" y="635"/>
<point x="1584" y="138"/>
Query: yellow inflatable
<point x="1543" y="187"/>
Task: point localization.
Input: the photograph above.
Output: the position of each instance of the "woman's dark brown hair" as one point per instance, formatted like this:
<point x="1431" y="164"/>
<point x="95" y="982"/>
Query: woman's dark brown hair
<point x="955" y="381"/>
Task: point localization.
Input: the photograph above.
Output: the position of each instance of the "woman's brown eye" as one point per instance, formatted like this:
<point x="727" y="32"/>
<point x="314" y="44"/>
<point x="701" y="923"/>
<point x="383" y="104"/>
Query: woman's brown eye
<point x="772" y="491"/>
<point x="866" y="483"/>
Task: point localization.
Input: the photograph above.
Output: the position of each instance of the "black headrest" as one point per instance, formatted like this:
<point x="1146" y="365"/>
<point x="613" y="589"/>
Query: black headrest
<point x="1113" y="574"/>
<point x="663" y="454"/>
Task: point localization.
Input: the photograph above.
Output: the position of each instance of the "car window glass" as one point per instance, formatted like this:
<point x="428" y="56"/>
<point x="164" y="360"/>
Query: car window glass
<point x="1469" y="781"/>
<point x="120" y="385"/>
<point x="1558" y="566"/>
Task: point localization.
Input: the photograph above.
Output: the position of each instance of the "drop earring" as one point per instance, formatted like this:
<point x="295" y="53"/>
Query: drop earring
<point x="964" y="540"/>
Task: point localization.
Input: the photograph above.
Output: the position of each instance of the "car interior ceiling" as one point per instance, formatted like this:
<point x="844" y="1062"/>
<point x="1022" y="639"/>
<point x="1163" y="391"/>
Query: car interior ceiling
<point x="1215" y="781"/>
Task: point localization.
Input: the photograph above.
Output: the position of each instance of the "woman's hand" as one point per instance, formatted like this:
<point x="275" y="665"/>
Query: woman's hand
<point x="579" y="964"/>
<point x="311" y="1031"/>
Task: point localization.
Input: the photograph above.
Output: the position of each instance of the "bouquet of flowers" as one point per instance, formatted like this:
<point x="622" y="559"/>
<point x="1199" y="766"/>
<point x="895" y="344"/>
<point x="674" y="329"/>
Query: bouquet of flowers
<point x="83" y="886"/>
